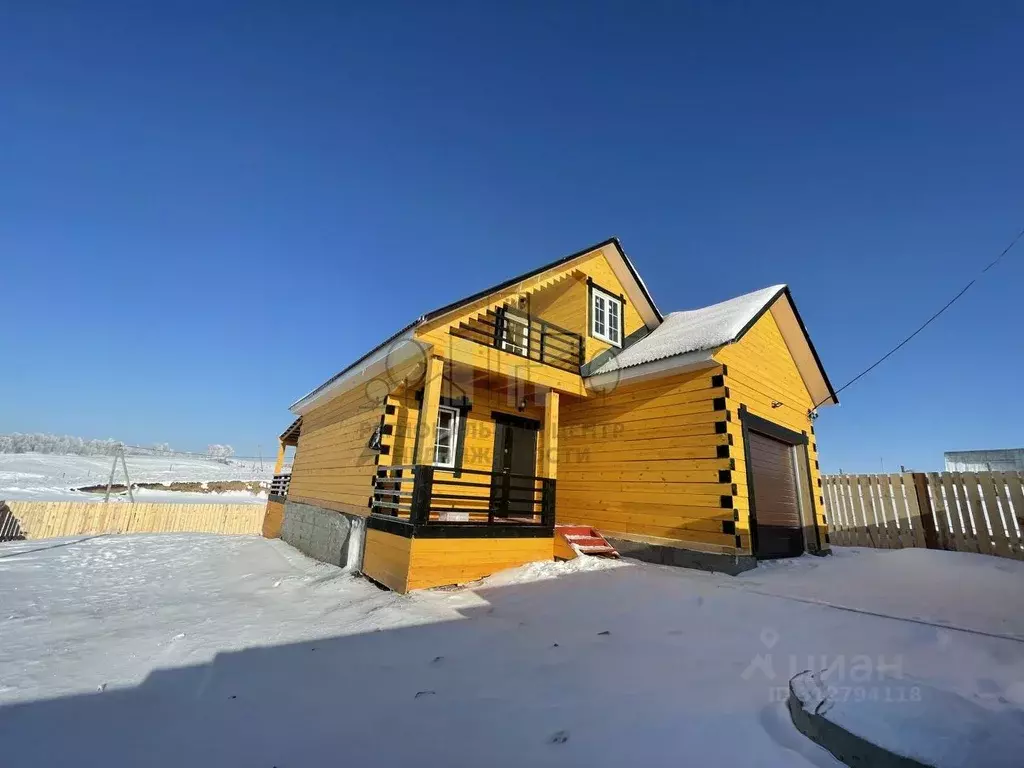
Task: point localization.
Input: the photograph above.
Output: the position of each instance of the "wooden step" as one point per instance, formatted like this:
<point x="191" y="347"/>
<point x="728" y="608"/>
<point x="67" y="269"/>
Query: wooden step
<point x="585" y="540"/>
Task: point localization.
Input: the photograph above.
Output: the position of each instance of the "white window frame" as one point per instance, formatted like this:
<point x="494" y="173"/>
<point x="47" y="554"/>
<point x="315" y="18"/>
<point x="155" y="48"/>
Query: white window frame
<point x="454" y="442"/>
<point x="609" y="300"/>
<point x="509" y="342"/>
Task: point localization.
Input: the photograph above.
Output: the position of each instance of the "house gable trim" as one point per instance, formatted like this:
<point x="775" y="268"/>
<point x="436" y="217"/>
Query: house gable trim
<point x="646" y="307"/>
<point x="825" y="395"/>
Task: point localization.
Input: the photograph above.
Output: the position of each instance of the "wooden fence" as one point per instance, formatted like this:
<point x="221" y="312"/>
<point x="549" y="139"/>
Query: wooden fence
<point x="963" y="511"/>
<point x="46" y="519"/>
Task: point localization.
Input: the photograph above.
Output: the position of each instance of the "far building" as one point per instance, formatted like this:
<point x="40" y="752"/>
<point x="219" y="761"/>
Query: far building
<point x="1000" y="460"/>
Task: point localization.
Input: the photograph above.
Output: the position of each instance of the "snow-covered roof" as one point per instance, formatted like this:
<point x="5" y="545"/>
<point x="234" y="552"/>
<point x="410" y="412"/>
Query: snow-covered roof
<point x="695" y="330"/>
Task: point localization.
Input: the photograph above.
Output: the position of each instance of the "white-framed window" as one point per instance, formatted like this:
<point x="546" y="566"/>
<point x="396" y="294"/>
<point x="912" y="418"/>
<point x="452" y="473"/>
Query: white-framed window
<point x="515" y="335"/>
<point x="605" y="317"/>
<point x="446" y="437"/>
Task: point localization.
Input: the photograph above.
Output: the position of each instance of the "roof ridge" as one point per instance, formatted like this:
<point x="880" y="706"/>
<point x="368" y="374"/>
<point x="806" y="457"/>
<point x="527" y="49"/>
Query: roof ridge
<point x="767" y="289"/>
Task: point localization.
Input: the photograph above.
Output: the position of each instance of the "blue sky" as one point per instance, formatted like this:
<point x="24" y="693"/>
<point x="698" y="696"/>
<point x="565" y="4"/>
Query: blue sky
<point x="208" y="208"/>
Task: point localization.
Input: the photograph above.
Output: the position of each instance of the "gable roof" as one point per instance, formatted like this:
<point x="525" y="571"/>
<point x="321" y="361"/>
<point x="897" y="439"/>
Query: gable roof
<point x="683" y="336"/>
<point x="631" y="281"/>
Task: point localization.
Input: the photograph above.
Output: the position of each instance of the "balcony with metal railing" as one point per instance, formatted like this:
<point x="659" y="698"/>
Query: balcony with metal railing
<point x="522" y="334"/>
<point x="279" y="486"/>
<point x="433" y="501"/>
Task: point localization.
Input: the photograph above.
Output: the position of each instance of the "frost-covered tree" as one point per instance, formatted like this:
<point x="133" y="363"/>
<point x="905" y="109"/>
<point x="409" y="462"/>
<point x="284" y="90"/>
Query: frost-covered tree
<point x="222" y="452"/>
<point x="39" y="442"/>
<point x="18" y="442"/>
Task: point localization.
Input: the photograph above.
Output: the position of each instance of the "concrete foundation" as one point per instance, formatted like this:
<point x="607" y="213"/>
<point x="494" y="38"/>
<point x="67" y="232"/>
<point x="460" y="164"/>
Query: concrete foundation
<point x="325" y="535"/>
<point x="683" y="558"/>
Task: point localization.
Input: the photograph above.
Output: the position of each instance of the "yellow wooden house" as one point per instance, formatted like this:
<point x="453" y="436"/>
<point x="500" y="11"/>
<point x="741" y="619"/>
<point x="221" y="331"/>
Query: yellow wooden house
<point x="460" y="445"/>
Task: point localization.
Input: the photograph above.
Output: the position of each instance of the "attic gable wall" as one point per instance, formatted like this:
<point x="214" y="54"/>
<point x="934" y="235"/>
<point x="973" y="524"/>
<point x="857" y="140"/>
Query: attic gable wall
<point x="566" y="304"/>
<point x="559" y="296"/>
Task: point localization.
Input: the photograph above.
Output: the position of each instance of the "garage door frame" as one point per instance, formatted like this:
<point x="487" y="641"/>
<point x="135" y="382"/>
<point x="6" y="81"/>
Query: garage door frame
<point x="799" y="440"/>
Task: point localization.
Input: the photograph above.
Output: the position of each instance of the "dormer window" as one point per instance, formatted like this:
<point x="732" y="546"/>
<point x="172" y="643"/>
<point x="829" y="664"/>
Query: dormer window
<point x="605" y="316"/>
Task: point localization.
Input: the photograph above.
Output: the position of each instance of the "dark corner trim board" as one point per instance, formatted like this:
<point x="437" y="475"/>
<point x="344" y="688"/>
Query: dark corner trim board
<point x="751" y="501"/>
<point x="390" y="525"/>
<point x="810" y="495"/>
<point x="483" y="531"/>
<point x="459" y="530"/>
<point x="514" y="421"/>
<point x="770" y="428"/>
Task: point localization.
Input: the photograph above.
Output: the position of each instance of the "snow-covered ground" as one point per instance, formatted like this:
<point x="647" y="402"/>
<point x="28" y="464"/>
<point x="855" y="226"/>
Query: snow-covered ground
<point x="174" y="650"/>
<point x="53" y="477"/>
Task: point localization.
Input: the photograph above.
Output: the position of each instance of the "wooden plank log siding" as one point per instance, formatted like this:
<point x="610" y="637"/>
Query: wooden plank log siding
<point x="403" y="564"/>
<point x="334" y="464"/>
<point x="439" y="562"/>
<point x="273" y="520"/>
<point x="760" y="374"/>
<point x="649" y="461"/>
<point x="967" y="512"/>
<point x="48" y="519"/>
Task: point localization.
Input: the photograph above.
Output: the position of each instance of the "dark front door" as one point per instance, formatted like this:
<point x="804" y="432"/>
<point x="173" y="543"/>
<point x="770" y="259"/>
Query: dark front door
<point x="515" y="455"/>
<point x="776" y="502"/>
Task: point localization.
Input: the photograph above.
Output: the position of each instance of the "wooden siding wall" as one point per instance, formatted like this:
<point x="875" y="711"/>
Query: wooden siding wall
<point x="566" y="303"/>
<point x="333" y="463"/>
<point x="437" y="562"/>
<point x="273" y="520"/>
<point x="404" y="564"/>
<point x="761" y="371"/>
<point x="642" y="461"/>
<point x="48" y="519"/>
<point x="386" y="559"/>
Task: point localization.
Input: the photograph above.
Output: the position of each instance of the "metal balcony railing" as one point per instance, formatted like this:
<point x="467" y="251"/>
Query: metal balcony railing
<point x="526" y="336"/>
<point x="279" y="485"/>
<point x="424" y="495"/>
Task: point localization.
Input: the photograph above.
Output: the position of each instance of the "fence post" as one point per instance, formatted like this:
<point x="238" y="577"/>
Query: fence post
<point x="923" y="511"/>
<point x="422" y="488"/>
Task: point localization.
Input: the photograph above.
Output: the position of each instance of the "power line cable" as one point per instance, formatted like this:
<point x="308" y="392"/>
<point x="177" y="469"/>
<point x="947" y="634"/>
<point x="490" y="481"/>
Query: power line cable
<point x="929" y="321"/>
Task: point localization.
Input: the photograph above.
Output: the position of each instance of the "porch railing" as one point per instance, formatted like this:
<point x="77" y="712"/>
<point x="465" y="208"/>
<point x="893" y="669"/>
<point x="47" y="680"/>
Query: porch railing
<point x="525" y="336"/>
<point x="279" y="485"/>
<point x="426" y="495"/>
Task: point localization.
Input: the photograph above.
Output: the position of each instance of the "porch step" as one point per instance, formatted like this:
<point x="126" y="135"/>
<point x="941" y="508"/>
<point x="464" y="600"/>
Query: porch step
<point x="584" y="540"/>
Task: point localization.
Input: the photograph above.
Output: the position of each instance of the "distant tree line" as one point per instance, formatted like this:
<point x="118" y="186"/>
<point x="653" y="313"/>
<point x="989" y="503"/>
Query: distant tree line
<point x="40" y="442"/>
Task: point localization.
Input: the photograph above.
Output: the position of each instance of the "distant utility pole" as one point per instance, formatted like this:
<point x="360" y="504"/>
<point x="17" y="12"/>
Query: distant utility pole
<point x="119" y="453"/>
<point x="259" y="449"/>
